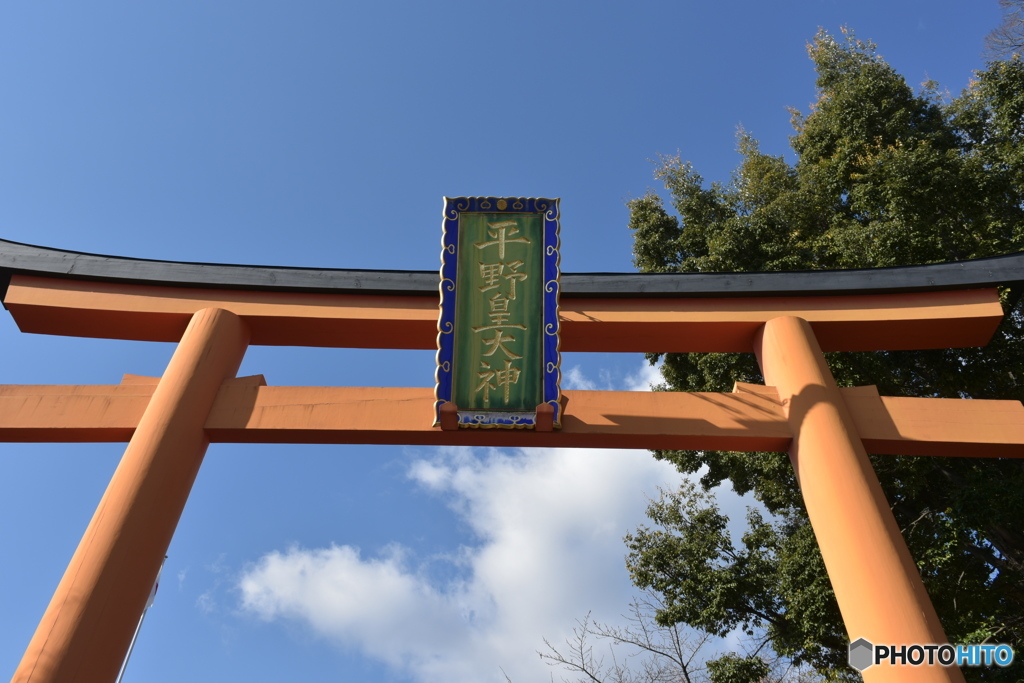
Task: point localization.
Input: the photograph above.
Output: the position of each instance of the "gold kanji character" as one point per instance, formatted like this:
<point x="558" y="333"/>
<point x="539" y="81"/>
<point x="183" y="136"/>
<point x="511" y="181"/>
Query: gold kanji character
<point x="513" y="277"/>
<point x="507" y="377"/>
<point x="491" y="379"/>
<point x="497" y="342"/>
<point x="502" y="233"/>
<point x="486" y="375"/>
<point x="489" y="273"/>
<point x="499" y="319"/>
<point x="498" y="302"/>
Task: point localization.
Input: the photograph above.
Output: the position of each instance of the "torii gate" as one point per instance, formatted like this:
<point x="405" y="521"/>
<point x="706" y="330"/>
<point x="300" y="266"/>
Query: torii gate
<point x="215" y="311"/>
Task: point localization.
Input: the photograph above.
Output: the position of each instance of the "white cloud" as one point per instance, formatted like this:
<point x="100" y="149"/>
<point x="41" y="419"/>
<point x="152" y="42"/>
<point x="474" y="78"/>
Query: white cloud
<point x="573" y="378"/>
<point x="645" y="378"/>
<point x="642" y="379"/>
<point x="376" y="604"/>
<point x="548" y="526"/>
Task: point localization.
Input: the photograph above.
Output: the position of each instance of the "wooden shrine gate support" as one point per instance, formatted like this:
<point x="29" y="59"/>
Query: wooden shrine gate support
<point x="213" y="312"/>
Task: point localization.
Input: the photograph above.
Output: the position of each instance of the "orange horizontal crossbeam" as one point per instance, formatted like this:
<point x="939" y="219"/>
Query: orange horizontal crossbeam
<point x="593" y="419"/>
<point x="952" y="427"/>
<point x="749" y="419"/>
<point x="944" y="319"/>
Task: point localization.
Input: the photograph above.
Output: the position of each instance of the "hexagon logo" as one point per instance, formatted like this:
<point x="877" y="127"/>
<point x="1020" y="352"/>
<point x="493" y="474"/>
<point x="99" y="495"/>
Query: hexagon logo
<point x="861" y="652"/>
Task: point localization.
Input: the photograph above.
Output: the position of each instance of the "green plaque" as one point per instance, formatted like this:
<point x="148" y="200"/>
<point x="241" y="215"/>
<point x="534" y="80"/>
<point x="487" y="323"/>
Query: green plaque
<point x="499" y="322"/>
<point x="498" y="330"/>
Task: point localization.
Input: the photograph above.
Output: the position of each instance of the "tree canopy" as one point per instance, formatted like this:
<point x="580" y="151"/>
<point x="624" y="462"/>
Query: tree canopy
<point x="884" y="175"/>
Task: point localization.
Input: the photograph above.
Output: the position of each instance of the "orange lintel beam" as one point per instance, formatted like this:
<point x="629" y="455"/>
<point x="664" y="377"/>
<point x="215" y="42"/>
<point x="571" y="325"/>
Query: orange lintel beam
<point x="749" y="419"/>
<point x="841" y="323"/>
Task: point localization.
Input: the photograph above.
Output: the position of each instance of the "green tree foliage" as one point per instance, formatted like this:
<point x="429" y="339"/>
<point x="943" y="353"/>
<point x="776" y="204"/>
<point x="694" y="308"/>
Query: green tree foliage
<point x="733" y="669"/>
<point x="884" y="176"/>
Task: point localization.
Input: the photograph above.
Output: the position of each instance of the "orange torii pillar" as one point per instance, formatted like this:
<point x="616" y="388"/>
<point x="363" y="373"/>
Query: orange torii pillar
<point x="876" y="583"/>
<point x="87" y="628"/>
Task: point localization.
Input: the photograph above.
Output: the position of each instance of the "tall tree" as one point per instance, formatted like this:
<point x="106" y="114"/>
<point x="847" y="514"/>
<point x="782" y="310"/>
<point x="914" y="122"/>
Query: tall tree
<point x="884" y="175"/>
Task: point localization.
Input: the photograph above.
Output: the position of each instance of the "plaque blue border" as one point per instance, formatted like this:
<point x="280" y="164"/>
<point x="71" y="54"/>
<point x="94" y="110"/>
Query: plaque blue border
<point x="551" y="383"/>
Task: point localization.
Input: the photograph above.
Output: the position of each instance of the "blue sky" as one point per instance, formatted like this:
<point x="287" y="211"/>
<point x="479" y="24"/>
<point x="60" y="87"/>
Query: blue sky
<point x="326" y="134"/>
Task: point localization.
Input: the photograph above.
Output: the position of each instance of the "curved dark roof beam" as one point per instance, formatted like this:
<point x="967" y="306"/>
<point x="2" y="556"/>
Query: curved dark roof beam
<point x="17" y="258"/>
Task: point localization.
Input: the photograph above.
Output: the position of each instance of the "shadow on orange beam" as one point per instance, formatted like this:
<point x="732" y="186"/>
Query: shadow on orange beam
<point x="749" y="419"/>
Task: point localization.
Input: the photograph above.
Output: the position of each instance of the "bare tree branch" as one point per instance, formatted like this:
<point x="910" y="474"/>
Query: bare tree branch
<point x="644" y="652"/>
<point x="1007" y="39"/>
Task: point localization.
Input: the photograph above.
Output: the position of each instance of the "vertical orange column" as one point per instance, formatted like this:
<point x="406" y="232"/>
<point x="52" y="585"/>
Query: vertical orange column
<point x="87" y="628"/>
<point x="876" y="582"/>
